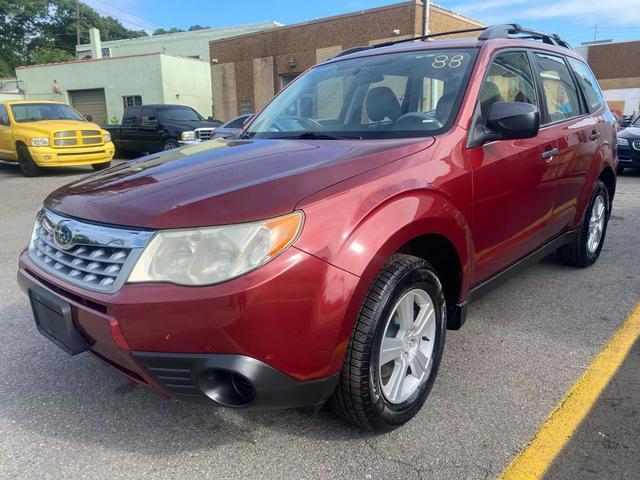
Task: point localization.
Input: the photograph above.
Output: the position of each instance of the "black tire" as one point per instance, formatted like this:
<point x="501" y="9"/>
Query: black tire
<point x="27" y="166"/>
<point x="577" y="253"/>
<point x="101" y="166"/>
<point x="170" y="144"/>
<point x="359" y="398"/>
<point x="620" y="170"/>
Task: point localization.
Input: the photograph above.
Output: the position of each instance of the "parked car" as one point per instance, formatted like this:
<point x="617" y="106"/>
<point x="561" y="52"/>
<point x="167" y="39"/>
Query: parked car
<point x="154" y="128"/>
<point x="232" y="127"/>
<point x="322" y="255"/>
<point x="629" y="147"/>
<point x="43" y="134"/>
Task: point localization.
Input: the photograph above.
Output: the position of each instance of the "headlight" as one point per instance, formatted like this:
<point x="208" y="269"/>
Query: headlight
<point x="107" y="137"/>
<point x="623" y="141"/>
<point x="40" y="142"/>
<point x="187" y="136"/>
<point x="205" y="256"/>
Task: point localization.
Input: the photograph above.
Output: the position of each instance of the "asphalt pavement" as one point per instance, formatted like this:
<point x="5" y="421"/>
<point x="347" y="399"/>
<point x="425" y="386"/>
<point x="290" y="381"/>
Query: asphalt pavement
<point x="523" y="346"/>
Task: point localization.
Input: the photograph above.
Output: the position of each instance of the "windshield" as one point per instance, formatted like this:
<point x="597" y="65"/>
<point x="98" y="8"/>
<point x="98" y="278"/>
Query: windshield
<point x="33" y="112"/>
<point x="406" y="94"/>
<point x="178" y="114"/>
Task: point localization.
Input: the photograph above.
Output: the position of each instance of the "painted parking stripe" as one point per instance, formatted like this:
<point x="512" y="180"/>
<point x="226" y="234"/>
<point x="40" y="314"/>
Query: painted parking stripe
<point x="537" y="456"/>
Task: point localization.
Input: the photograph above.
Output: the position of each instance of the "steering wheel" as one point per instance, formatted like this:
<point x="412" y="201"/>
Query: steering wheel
<point x="417" y="121"/>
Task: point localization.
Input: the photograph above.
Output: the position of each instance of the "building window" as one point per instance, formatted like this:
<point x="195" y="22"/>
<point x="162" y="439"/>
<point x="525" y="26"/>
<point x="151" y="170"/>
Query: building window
<point x="245" y="107"/>
<point x="132" y="101"/>
<point x="287" y="78"/>
<point x="106" y="52"/>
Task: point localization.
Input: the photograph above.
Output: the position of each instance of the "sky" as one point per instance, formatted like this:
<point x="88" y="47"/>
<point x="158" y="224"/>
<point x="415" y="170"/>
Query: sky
<point x="575" y="20"/>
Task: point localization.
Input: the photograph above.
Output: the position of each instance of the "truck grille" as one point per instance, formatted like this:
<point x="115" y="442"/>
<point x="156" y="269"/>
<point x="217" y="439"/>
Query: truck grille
<point x="72" y="138"/>
<point x="204" y="133"/>
<point x="90" y="256"/>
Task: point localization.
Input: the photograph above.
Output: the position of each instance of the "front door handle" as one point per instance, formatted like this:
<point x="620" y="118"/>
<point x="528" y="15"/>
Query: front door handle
<point x="594" y="136"/>
<point x="548" y="154"/>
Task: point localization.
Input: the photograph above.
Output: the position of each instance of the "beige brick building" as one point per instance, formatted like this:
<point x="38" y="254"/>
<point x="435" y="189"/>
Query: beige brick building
<point x="247" y="70"/>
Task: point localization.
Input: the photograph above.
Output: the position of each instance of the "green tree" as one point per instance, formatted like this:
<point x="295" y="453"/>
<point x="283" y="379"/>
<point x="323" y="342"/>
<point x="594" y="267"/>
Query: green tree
<point x="50" y="55"/>
<point x="162" y="31"/>
<point x="193" y="28"/>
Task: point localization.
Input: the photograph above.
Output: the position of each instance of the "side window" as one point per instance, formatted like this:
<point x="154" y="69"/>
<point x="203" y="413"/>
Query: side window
<point x="131" y="118"/>
<point x="560" y="93"/>
<point x="4" y="116"/>
<point x="509" y="79"/>
<point x="147" y="114"/>
<point x="588" y="83"/>
<point x="237" y="123"/>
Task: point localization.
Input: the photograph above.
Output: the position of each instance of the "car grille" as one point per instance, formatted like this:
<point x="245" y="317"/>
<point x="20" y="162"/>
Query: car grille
<point x="72" y="138"/>
<point x="204" y="133"/>
<point x="91" y="256"/>
<point x="636" y="144"/>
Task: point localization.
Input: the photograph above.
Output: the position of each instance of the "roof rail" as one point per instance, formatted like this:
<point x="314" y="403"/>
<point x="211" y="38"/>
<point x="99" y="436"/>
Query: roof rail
<point x="507" y="30"/>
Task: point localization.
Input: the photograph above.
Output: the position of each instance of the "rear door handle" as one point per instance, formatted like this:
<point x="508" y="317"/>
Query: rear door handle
<point x="594" y="136"/>
<point x="548" y="154"/>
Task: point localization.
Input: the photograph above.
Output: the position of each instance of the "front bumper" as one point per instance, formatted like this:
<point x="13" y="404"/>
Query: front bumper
<point x="62" y="157"/>
<point x="269" y="339"/>
<point x="628" y="157"/>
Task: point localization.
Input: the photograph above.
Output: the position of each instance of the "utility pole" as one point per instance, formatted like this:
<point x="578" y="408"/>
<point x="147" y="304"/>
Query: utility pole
<point x="425" y="17"/>
<point x="595" y="32"/>
<point x="77" y="24"/>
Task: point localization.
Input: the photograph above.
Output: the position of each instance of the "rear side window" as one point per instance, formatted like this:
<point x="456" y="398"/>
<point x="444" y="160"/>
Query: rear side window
<point x="237" y="123"/>
<point x="588" y="83"/>
<point x="560" y="92"/>
<point x="509" y="79"/>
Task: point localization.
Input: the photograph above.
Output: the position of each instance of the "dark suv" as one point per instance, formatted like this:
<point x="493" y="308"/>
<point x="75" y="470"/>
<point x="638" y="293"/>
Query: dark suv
<point x="322" y="254"/>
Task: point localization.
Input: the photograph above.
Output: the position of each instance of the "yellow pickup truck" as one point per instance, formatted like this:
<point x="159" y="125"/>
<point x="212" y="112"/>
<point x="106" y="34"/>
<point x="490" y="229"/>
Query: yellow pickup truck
<point x="42" y="134"/>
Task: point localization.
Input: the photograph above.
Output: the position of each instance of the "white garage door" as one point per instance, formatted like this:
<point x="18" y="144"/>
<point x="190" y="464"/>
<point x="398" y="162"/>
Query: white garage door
<point x="90" y="102"/>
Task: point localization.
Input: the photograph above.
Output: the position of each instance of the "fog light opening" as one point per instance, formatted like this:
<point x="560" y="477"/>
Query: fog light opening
<point x="226" y="388"/>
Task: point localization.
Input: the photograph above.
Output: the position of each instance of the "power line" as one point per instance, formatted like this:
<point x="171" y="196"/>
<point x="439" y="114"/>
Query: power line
<point x="149" y="24"/>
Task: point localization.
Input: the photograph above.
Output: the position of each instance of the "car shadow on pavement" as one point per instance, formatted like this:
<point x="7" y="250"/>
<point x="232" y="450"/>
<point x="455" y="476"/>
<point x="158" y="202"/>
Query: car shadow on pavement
<point x="8" y="169"/>
<point x="79" y="399"/>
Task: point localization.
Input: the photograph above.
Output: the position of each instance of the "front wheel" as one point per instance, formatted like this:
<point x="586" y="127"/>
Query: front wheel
<point x="170" y="144"/>
<point x="395" y="349"/>
<point x="28" y="167"/>
<point x="587" y="245"/>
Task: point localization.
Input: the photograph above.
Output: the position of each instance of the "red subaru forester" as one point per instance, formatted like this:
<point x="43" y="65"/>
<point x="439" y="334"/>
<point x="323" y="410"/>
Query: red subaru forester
<point x="322" y="254"/>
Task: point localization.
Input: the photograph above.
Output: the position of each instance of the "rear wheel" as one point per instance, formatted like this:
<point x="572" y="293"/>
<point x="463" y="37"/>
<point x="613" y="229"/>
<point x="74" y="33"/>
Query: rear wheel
<point x="101" y="166"/>
<point x="587" y="245"/>
<point x="395" y="349"/>
<point x="27" y="166"/>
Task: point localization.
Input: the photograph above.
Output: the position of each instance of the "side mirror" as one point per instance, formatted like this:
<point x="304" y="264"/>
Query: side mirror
<point x="508" y="121"/>
<point x="209" y="119"/>
<point x="88" y="118"/>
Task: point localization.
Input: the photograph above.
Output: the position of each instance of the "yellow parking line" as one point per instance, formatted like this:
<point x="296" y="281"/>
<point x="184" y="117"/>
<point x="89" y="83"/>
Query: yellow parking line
<point x="534" y="460"/>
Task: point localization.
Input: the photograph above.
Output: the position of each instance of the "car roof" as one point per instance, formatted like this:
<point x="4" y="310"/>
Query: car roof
<point x="17" y="102"/>
<point x="492" y="44"/>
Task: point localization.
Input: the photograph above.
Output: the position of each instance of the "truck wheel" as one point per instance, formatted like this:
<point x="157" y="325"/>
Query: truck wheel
<point x="101" y="166"/>
<point x="587" y="245"/>
<point x="170" y="144"/>
<point x="395" y="348"/>
<point x="27" y="166"/>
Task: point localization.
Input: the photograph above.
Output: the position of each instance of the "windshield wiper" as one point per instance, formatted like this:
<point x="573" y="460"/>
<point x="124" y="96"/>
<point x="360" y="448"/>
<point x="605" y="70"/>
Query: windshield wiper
<point x="317" y="136"/>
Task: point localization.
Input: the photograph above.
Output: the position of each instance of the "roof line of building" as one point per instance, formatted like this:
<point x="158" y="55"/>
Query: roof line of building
<point x="200" y="32"/>
<point x="90" y="60"/>
<point x="443" y="10"/>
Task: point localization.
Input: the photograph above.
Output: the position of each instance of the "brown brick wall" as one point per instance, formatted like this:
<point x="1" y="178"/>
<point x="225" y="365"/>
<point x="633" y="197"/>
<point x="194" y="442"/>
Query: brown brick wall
<point x="615" y="60"/>
<point x="301" y="42"/>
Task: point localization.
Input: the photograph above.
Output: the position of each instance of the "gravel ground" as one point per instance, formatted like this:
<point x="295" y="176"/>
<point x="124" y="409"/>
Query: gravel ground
<point x="523" y="346"/>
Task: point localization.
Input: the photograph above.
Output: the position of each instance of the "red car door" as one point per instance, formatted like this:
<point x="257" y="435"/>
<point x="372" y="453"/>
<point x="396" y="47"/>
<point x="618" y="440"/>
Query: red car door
<point x="568" y="120"/>
<point x="513" y="186"/>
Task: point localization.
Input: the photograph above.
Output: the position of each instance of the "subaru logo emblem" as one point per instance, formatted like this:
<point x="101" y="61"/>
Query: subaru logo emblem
<point x="62" y="235"/>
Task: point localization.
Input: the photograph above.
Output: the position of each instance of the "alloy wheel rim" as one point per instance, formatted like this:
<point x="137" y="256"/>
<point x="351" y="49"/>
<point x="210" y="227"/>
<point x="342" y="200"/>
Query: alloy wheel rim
<point x="596" y="224"/>
<point x="406" y="351"/>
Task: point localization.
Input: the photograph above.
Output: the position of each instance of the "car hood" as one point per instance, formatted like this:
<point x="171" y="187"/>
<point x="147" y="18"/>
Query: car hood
<point x="632" y="133"/>
<point x="189" y="125"/>
<point x="221" y="182"/>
